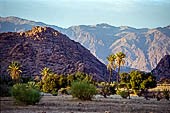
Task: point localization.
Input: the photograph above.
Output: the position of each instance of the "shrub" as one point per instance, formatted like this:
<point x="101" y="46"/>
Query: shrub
<point x="49" y="83"/>
<point x="83" y="90"/>
<point x="107" y="89"/>
<point x="123" y="94"/>
<point x="25" y="93"/>
<point x="166" y="94"/>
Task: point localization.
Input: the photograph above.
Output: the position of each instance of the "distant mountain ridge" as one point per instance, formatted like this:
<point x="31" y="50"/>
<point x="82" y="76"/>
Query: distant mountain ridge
<point x="144" y="47"/>
<point x="16" y="24"/>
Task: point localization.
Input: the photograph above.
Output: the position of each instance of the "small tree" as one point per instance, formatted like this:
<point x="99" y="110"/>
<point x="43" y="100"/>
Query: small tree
<point x="140" y="81"/>
<point x="125" y="81"/>
<point x="49" y="84"/>
<point x="119" y="62"/>
<point x="149" y="81"/>
<point x="111" y="59"/>
<point x="14" y="69"/>
<point x="136" y="80"/>
<point x="107" y="88"/>
<point x="50" y="81"/>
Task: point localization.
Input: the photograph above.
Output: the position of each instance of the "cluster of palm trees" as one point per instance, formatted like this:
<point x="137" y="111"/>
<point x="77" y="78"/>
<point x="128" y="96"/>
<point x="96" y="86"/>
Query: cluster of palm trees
<point x="115" y="61"/>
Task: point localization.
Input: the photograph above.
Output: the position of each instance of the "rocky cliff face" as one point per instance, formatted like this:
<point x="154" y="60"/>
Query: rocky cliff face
<point x="144" y="47"/>
<point x="162" y="70"/>
<point x="45" y="47"/>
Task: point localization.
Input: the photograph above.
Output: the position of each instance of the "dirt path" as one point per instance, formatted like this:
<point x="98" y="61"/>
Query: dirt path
<point x="66" y="104"/>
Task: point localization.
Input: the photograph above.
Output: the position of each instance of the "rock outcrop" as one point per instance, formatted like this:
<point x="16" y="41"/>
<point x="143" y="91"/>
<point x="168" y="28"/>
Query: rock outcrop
<point x="45" y="47"/>
<point x="162" y="70"/>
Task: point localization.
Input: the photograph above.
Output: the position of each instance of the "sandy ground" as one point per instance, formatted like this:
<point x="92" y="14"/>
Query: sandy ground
<point x="67" y="104"/>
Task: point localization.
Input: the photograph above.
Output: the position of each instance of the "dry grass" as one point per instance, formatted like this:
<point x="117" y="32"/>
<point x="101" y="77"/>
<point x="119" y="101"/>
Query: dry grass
<point x="161" y="87"/>
<point x="67" y="104"/>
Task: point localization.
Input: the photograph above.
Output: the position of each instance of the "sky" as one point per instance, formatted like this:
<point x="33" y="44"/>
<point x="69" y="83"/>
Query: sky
<point x="66" y="13"/>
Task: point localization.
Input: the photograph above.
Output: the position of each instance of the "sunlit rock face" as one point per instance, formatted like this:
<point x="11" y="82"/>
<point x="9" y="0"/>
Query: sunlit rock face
<point x="45" y="47"/>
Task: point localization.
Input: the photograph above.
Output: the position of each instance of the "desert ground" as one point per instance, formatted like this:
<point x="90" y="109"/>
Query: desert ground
<point x="67" y="104"/>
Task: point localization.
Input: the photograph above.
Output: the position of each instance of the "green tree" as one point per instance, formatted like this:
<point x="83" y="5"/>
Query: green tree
<point x="49" y="84"/>
<point x="50" y="81"/>
<point x="125" y="80"/>
<point x="149" y="81"/>
<point x="119" y="62"/>
<point x="140" y="80"/>
<point x="14" y="69"/>
<point x="136" y="80"/>
<point x="111" y="59"/>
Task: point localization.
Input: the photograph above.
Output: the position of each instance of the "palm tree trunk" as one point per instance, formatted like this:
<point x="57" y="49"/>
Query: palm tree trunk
<point x="110" y="75"/>
<point x="118" y="77"/>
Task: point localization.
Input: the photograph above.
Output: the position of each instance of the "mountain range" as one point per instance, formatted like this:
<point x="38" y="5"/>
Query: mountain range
<point x="43" y="47"/>
<point x="144" y="47"/>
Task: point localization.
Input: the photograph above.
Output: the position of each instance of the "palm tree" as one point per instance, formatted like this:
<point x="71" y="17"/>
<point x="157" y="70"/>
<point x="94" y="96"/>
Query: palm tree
<point x="45" y="72"/>
<point x="119" y="62"/>
<point x="14" y="70"/>
<point x="110" y="65"/>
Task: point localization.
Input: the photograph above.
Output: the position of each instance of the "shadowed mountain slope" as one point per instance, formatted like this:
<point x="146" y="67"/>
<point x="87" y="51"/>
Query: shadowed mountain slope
<point x="45" y="47"/>
<point x="162" y="70"/>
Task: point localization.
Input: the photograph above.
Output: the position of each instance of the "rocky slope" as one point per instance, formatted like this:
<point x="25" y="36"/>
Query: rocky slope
<point x="45" y="47"/>
<point x="162" y="70"/>
<point x="144" y="47"/>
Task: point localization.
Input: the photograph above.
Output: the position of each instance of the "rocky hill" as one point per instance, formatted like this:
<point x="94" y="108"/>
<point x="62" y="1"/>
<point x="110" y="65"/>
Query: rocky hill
<point x="162" y="70"/>
<point x="45" y="47"/>
<point x="144" y="47"/>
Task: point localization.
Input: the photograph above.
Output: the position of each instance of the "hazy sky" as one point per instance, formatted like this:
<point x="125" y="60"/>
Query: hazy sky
<point x="65" y="13"/>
